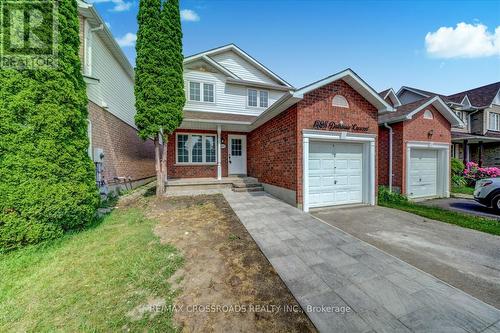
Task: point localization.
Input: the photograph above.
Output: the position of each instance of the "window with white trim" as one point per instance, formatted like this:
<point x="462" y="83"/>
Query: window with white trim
<point x="196" y="148"/>
<point x="462" y="116"/>
<point x="340" y="101"/>
<point x="201" y="92"/>
<point x="257" y="98"/>
<point x="428" y="114"/>
<point x="494" y="121"/>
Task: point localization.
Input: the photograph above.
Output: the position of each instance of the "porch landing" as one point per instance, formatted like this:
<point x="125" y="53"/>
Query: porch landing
<point x="236" y="183"/>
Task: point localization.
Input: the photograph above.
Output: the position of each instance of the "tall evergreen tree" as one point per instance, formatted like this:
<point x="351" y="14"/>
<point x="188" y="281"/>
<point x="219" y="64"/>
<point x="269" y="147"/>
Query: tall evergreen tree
<point x="159" y="85"/>
<point x="47" y="180"/>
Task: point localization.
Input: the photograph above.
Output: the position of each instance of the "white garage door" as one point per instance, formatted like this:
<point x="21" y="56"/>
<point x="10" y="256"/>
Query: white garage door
<point x="423" y="173"/>
<point x="335" y="173"/>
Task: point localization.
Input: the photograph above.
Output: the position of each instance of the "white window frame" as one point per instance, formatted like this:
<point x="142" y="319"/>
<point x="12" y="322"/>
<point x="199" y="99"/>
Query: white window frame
<point x="190" y="150"/>
<point x="497" y="124"/>
<point x="259" y="91"/>
<point x="428" y="114"/>
<point x="202" y="91"/>
<point x="344" y="103"/>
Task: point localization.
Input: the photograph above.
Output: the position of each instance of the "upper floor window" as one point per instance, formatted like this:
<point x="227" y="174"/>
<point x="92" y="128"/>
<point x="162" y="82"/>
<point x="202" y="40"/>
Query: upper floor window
<point x="494" y="121"/>
<point x="462" y="116"/>
<point x="428" y="114"/>
<point x="201" y="92"/>
<point x="340" y="101"/>
<point x="258" y="98"/>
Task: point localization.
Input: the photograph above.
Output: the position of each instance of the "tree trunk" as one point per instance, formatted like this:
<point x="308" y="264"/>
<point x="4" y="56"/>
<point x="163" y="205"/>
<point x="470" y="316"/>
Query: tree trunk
<point x="164" y="161"/>
<point x="159" y="178"/>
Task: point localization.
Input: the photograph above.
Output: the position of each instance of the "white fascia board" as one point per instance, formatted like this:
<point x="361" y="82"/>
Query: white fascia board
<point x="286" y="101"/>
<point x="257" y="84"/>
<point x="219" y="67"/>
<point x="244" y="55"/>
<point x="362" y="88"/>
<point x="89" y="12"/>
<point x="392" y="95"/>
<point x="441" y="106"/>
<point x="466" y="99"/>
<point x="412" y="90"/>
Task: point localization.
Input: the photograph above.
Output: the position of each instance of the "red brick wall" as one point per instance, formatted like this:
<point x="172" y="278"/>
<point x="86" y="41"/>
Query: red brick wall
<point x="126" y="155"/>
<point x="196" y="171"/>
<point x="272" y="150"/>
<point x="318" y="105"/>
<point x="416" y="129"/>
<point x="397" y="158"/>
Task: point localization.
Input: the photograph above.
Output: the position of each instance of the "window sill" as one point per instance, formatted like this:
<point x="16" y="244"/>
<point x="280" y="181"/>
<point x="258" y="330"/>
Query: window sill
<point x="195" y="164"/>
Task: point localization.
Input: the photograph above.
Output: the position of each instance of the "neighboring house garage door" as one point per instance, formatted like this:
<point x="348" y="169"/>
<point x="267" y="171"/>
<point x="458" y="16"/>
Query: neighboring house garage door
<point x="423" y="173"/>
<point x="335" y="173"/>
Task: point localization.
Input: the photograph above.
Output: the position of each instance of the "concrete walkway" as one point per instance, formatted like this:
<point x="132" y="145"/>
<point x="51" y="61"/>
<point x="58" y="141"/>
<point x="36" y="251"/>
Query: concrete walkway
<point x="331" y="272"/>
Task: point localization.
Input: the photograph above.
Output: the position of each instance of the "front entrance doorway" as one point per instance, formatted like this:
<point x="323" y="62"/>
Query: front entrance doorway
<point x="237" y="154"/>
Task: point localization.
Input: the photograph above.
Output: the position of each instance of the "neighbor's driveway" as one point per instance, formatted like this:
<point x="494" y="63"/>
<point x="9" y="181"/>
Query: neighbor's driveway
<point x="465" y="258"/>
<point x="327" y="270"/>
<point x="461" y="205"/>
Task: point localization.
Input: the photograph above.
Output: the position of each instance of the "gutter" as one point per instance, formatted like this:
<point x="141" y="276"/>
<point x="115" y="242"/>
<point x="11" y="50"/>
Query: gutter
<point x="390" y="155"/>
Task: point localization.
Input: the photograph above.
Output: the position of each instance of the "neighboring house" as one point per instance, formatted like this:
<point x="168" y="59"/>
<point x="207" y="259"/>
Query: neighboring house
<point x="414" y="146"/>
<point x="479" y="109"/>
<point x="314" y="146"/>
<point x="120" y="155"/>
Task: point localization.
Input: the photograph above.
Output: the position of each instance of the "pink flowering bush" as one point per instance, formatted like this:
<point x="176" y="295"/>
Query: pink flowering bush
<point x="473" y="172"/>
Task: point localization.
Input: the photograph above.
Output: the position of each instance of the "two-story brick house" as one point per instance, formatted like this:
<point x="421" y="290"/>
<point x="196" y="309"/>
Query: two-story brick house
<point x="479" y="109"/>
<point x="120" y="155"/>
<point x="314" y="146"/>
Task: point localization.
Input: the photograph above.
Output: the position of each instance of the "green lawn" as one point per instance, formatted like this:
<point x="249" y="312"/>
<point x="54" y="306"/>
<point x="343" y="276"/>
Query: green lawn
<point x="435" y="213"/>
<point x="462" y="190"/>
<point x="90" y="280"/>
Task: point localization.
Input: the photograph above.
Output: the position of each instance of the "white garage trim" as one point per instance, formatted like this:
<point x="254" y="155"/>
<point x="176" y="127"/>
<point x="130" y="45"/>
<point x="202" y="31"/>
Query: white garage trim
<point x="443" y="162"/>
<point x="368" y="141"/>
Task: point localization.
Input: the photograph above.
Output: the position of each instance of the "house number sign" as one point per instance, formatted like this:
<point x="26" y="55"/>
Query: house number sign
<point x="331" y="126"/>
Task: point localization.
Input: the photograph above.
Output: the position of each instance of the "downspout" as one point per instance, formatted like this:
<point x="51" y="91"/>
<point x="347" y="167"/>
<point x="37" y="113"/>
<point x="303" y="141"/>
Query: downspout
<point x="390" y="155"/>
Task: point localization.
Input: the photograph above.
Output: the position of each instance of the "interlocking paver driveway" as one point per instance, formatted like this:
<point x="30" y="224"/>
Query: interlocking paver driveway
<point x="323" y="266"/>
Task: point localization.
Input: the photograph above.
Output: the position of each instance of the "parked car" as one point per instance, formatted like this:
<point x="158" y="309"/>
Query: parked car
<point x="487" y="192"/>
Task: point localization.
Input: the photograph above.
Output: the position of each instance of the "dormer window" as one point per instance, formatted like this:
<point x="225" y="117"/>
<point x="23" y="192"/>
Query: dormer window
<point x="428" y="114"/>
<point x="201" y="92"/>
<point x="257" y="98"/>
<point x="340" y="101"/>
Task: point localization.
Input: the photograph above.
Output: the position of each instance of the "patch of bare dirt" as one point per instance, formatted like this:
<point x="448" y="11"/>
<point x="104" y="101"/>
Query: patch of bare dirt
<point x="223" y="268"/>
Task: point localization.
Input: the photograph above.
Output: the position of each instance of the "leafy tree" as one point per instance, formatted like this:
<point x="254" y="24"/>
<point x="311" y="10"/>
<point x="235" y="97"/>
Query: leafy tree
<point x="159" y="87"/>
<point x="47" y="180"/>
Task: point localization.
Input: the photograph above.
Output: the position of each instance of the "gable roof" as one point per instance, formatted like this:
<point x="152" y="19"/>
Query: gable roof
<point x="423" y="93"/>
<point x="479" y="97"/>
<point x="407" y="111"/>
<point x="392" y="96"/>
<point x="348" y="75"/>
<point x="232" y="47"/>
<point x="90" y="13"/>
<point x="356" y="82"/>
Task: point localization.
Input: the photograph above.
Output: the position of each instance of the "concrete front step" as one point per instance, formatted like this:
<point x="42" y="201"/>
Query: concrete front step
<point x="249" y="189"/>
<point x="242" y="185"/>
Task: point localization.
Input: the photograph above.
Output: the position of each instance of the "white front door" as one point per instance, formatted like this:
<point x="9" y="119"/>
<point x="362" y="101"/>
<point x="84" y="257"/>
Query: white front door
<point x="423" y="173"/>
<point x="237" y="154"/>
<point x="335" y="173"/>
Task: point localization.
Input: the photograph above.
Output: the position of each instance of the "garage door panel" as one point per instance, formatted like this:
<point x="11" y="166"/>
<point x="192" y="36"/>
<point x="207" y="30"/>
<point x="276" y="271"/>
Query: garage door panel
<point x="335" y="173"/>
<point x="423" y="173"/>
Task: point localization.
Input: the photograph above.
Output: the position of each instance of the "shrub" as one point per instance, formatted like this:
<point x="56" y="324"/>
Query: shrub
<point x="457" y="167"/>
<point x="46" y="176"/>
<point x="473" y="172"/>
<point x="384" y="195"/>
<point x="458" y="181"/>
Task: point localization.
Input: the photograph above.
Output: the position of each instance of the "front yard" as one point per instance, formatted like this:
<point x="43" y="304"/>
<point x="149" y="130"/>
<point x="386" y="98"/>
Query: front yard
<point x="462" y="190"/>
<point x="127" y="272"/>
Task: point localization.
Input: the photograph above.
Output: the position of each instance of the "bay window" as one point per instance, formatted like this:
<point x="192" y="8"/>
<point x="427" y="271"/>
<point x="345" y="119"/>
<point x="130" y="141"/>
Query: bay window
<point x="494" y="121"/>
<point x="196" y="148"/>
